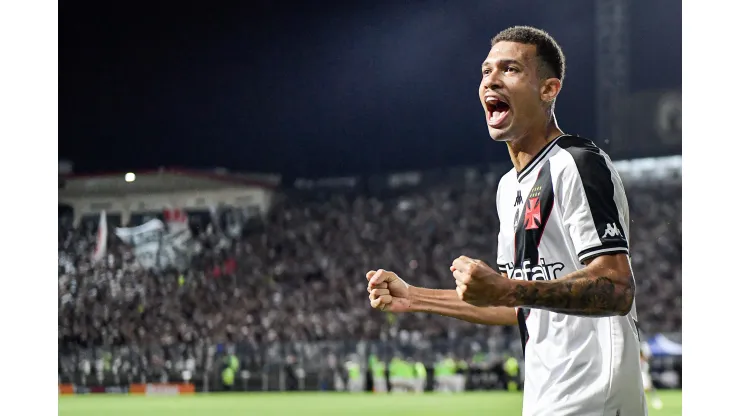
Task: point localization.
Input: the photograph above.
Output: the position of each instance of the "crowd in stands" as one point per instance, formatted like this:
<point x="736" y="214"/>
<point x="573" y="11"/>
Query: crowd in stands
<point x="297" y="274"/>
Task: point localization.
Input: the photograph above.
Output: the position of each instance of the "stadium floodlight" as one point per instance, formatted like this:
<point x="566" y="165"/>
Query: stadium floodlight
<point x="130" y="177"/>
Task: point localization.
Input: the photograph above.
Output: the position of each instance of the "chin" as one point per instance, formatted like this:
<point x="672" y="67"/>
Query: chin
<point x="499" y="135"/>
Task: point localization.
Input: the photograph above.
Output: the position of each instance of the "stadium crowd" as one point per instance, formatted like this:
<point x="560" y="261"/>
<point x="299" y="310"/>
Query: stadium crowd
<point x="297" y="274"/>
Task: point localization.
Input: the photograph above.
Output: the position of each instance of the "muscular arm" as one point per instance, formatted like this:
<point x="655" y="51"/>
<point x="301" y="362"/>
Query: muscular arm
<point x="605" y="287"/>
<point x="447" y="303"/>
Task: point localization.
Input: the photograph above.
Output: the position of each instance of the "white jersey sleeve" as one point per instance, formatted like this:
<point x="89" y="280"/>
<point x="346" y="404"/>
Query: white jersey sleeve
<point x="594" y="204"/>
<point x="501" y="259"/>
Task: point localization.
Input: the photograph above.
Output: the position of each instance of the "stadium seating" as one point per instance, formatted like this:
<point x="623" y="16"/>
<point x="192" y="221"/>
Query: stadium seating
<point x="292" y="283"/>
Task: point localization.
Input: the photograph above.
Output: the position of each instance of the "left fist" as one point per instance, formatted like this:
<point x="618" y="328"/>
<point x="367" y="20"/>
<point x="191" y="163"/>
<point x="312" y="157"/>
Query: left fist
<point x="478" y="284"/>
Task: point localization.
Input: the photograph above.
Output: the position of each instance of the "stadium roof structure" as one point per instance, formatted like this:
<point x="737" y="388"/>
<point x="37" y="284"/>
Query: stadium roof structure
<point x="161" y="180"/>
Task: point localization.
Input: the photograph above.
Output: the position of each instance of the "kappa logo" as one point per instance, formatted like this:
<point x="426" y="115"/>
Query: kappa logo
<point x="612" y="231"/>
<point x="518" y="201"/>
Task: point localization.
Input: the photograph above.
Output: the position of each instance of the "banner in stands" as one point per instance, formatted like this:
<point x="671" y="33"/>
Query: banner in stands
<point x="68" y="389"/>
<point x="157" y="246"/>
<point x="162" y="389"/>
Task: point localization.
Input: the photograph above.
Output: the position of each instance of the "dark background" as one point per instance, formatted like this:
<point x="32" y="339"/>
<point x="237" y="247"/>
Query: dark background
<point x="316" y="88"/>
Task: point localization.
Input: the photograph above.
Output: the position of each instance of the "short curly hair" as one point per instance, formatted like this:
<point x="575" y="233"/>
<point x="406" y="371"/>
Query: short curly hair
<point x="552" y="59"/>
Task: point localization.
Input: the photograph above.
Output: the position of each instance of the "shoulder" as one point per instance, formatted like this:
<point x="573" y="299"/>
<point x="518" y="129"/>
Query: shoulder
<point x="506" y="183"/>
<point x="508" y="179"/>
<point x="578" y="156"/>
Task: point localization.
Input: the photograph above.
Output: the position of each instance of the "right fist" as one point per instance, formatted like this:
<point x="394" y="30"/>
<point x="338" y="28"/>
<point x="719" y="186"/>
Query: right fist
<point x="388" y="292"/>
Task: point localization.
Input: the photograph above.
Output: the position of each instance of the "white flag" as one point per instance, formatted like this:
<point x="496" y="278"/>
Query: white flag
<point x="176" y="247"/>
<point x="101" y="244"/>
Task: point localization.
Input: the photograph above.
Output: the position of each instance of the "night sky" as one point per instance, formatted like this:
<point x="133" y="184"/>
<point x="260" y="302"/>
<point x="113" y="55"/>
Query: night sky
<point x="315" y="88"/>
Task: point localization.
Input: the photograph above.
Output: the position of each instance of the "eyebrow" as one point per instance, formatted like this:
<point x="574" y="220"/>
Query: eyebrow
<point x="500" y="62"/>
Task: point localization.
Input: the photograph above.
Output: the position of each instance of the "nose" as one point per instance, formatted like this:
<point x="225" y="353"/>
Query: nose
<point x="492" y="82"/>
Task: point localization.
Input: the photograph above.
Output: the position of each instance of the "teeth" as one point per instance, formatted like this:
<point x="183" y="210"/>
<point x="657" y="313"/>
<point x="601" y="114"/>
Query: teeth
<point x="491" y="99"/>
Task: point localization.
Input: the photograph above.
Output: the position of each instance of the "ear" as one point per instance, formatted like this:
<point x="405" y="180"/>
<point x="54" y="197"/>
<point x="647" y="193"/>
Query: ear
<point x="549" y="89"/>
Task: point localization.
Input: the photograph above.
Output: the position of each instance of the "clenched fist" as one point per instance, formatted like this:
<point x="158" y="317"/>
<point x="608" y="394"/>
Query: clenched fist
<point x="388" y="292"/>
<point x="478" y="284"/>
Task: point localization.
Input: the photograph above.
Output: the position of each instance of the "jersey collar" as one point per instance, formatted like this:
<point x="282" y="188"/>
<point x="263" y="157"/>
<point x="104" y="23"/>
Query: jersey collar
<point x="535" y="160"/>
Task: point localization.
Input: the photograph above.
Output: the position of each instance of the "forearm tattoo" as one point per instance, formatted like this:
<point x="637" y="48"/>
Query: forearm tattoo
<point x="584" y="296"/>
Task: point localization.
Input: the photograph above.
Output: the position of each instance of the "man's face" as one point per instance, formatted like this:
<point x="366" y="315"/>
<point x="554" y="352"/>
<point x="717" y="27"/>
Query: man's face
<point x="510" y="91"/>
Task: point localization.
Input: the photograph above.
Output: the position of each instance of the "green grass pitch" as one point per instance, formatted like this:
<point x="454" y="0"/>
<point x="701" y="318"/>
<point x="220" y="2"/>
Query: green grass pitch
<point x="495" y="403"/>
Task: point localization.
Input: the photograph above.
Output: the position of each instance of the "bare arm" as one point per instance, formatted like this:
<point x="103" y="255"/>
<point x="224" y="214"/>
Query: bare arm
<point x="605" y="287"/>
<point x="390" y="293"/>
<point x="447" y="303"/>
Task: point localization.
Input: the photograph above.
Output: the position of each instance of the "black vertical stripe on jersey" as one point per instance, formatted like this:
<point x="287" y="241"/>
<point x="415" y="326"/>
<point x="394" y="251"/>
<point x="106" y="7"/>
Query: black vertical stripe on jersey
<point x="597" y="182"/>
<point x="527" y="242"/>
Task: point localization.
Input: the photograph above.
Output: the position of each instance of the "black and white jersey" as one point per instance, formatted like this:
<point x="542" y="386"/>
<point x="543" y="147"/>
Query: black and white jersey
<point x="565" y="207"/>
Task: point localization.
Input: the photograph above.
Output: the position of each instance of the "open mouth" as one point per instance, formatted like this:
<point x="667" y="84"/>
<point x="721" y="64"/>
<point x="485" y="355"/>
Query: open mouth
<point x="496" y="111"/>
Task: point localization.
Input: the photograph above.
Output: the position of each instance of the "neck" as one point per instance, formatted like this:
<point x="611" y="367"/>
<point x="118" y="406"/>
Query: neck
<point x="523" y="149"/>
